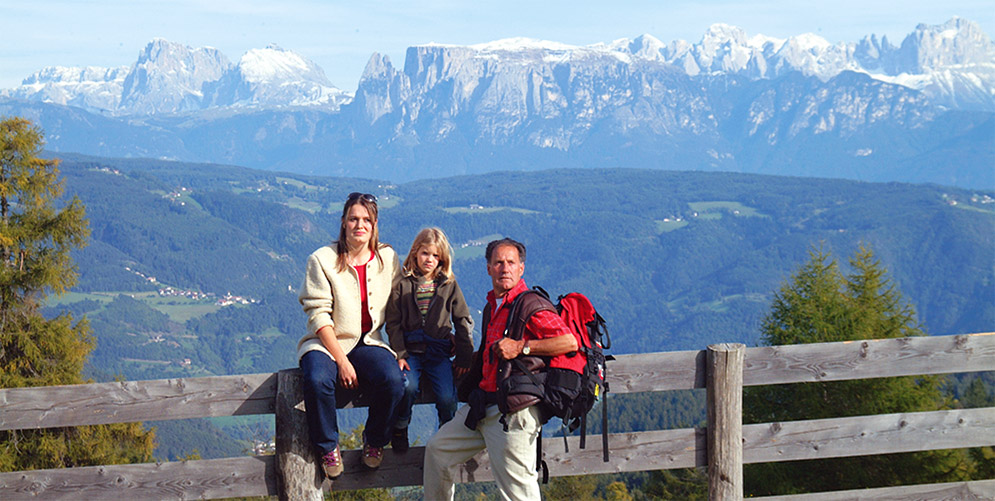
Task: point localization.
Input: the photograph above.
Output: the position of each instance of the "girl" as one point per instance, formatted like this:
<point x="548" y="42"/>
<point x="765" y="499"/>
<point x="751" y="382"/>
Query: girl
<point x="428" y="322"/>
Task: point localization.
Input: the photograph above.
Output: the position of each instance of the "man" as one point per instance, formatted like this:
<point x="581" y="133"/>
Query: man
<point x="511" y="441"/>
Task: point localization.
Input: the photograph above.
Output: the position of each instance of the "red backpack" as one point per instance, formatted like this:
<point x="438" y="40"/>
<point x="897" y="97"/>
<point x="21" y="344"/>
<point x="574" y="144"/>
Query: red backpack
<point x="575" y="381"/>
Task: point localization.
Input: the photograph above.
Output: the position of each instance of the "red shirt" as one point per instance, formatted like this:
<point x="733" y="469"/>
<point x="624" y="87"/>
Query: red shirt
<point x="542" y="325"/>
<point x="367" y="324"/>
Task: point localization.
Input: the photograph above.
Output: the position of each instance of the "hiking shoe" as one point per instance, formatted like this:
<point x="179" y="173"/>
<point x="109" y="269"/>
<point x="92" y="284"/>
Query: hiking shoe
<point x="372" y="456"/>
<point x="399" y="441"/>
<point x="332" y="464"/>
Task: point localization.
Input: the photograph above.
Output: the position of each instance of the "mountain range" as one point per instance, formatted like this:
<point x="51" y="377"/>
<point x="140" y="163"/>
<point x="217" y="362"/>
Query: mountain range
<point x="173" y="78"/>
<point x="921" y="111"/>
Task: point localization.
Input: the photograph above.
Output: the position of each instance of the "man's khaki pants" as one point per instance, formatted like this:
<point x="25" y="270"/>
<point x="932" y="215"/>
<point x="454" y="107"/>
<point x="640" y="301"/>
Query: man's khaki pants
<point x="512" y="453"/>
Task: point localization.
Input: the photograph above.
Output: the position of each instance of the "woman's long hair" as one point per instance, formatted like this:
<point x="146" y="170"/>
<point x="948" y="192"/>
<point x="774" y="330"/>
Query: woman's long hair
<point x="369" y="202"/>
<point x="436" y="237"/>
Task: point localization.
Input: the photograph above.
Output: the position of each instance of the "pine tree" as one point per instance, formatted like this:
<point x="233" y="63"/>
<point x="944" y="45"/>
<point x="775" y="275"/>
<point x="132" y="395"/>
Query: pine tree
<point x="36" y="238"/>
<point x="819" y="304"/>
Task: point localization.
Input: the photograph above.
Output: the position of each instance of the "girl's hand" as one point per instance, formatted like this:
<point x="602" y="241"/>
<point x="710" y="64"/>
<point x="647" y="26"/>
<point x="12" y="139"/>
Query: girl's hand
<point x="403" y="364"/>
<point x="461" y="371"/>
<point x="347" y="375"/>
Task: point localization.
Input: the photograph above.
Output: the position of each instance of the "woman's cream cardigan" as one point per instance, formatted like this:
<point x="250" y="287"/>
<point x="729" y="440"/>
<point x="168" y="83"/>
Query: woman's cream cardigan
<point x="331" y="297"/>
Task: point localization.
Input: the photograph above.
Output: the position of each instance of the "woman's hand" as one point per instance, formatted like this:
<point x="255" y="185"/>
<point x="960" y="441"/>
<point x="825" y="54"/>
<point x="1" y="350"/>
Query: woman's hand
<point x="402" y="363"/>
<point x="461" y="371"/>
<point x="347" y="374"/>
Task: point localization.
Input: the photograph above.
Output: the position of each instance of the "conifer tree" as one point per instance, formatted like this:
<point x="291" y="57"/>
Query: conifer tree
<point x="819" y="304"/>
<point x="36" y="238"/>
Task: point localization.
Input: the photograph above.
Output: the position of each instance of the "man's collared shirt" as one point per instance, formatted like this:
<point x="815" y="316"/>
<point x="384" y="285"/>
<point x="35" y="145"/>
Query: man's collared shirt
<point x="543" y="325"/>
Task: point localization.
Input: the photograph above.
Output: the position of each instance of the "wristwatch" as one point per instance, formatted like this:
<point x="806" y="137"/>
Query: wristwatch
<point x="526" y="350"/>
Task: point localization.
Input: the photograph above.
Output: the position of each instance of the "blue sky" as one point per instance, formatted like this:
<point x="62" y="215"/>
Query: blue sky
<point x="341" y="36"/>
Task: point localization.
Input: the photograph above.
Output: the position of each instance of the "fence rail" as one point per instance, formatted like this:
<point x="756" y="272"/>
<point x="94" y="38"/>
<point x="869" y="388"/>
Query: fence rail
<point x="128" y="401"/>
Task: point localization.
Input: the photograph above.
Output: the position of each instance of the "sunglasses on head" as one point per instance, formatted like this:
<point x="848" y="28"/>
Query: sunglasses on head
<point x="365" y="196"/>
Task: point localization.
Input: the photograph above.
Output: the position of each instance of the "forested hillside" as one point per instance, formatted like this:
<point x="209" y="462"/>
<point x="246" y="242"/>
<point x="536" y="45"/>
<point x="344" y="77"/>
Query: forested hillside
<point x="675" y="260"/>
<point x="192" y="269"/>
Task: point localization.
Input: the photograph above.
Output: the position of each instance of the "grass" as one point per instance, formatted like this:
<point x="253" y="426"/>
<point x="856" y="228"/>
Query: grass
<point x="75" y="297"/>
<point x="383" y="202"/>
<point x="667" y="226"/>
<point x="304" y="205"/>
<point x="299" y="184"/>
<point x="719" y="305"/>
<point x="477" y="248"/>
<point x="180" y="313"/>
<point x="473" y="252"/>
<point x="714" y="209"/>
<point x="388" y="202"/>
<point x="982" y="210"/>
<point x="486" y="210"/>
<point x="178" y="308"/>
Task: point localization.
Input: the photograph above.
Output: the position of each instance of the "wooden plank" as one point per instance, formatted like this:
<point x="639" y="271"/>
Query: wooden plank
<point x="130" y="401"/>
<point x="676" y="370"/>
<point x="725" y="421"/>
<point x="299" y="474"/>
<point x="397" y="470"/>
<point x="653" y="450"/>
<point x="201" y="479"/>
<point x="641" y="451"/>
<point x="685" y="370"/>
<point x="869" y="359"/>
<point x="257" y="476"/>
<point x="867" y="435"/>
<point x="638" y="451"/>
<point x="977" y="490"/>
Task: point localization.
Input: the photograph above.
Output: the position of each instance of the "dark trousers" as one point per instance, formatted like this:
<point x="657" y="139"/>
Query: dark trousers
<point x="439" y="372"/>
<point x="380" y="380"/>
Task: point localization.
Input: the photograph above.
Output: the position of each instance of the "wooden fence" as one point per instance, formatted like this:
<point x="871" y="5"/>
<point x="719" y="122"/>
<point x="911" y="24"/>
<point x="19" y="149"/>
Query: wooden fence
<point x="722" y="370"/>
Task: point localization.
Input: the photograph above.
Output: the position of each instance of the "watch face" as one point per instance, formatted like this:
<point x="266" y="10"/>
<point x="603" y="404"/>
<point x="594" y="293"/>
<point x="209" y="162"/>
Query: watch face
<point x="526" y="350"/>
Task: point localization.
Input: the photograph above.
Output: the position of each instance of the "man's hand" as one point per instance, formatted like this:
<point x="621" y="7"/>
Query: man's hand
<point x="507" y="348"/>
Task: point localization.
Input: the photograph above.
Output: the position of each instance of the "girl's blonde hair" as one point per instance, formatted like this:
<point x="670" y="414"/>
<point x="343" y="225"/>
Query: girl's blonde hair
<point x="431" y="236"/>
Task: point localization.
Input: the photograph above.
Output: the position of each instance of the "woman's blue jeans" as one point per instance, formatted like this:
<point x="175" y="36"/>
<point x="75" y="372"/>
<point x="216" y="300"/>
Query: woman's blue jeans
<point x="440" y="376"/>
<point x="380" y="380"/>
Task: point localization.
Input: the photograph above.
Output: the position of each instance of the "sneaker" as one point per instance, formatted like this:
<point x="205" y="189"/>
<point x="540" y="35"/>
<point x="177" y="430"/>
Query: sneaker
<point x="399" y="441"/>
<point x="372" y="456"/>
<point x="332" y="464"/>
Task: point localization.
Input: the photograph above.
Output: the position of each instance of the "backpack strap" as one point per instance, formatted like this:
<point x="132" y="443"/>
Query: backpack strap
<point x="476" y="372"/>
<point x="541" y="465"/>
<point x="517" y="321"/>
<point x="516" y="306"/>
<point x="604" y="424"/>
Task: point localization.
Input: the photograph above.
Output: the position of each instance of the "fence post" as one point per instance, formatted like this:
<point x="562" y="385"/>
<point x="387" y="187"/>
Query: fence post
<point x="725" y="421"/>
<point x="299" y="478"/>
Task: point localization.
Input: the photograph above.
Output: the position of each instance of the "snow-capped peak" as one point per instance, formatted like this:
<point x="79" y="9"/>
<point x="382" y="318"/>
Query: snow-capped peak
<point x="723" y="33"/>
<point x="763" y="41"/>
<point x="522" y="44"/>
<point x="810" y="42"/>
<point x="275" y="63"/>
<point x="646" y="46"/>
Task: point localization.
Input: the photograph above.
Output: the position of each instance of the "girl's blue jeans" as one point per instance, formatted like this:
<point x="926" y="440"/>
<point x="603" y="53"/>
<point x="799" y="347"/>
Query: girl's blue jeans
<point x="439" y="372"/>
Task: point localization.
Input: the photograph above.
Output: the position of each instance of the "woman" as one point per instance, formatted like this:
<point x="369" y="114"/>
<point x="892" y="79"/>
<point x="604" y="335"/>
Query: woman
<point x="345" y="292"/>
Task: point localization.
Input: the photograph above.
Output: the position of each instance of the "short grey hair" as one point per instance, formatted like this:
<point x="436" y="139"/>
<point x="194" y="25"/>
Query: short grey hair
<point x="520" y="247"/>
